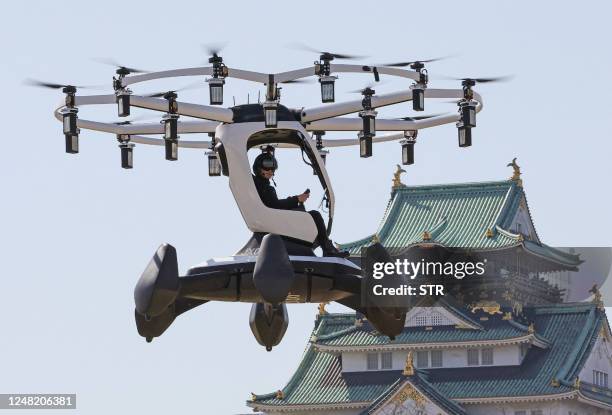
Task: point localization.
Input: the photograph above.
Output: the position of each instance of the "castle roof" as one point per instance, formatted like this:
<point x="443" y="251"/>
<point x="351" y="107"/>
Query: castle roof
<point x="479" y="329"/>
<point x="569" y="331"/>
<point x="466" y="215"/>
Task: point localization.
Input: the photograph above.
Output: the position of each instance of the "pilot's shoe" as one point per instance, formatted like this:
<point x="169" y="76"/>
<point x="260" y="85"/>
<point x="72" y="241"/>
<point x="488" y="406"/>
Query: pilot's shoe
<point x="330" y="250"/>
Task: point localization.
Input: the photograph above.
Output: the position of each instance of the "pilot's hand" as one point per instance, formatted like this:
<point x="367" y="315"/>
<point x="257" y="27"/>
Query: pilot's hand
<point x="302" y="198"/>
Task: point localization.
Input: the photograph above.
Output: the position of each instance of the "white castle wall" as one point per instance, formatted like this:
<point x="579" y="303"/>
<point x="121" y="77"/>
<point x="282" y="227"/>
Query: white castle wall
<point x="600" y="359"/>
<point x="455" y="357"/>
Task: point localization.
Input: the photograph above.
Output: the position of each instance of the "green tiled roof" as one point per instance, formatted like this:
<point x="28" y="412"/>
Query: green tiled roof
<point x="318" y="379"/>
<point x="494" y="329"/>
<point x="571" y="330"/>
<point x="457" y="216"/>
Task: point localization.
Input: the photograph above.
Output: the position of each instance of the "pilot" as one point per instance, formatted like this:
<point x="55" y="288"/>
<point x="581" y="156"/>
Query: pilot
<point x="264" y="167"/>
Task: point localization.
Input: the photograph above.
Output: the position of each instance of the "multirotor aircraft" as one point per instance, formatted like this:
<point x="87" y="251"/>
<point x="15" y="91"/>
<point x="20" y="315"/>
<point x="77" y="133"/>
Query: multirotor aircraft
<point x="277" y="265"/>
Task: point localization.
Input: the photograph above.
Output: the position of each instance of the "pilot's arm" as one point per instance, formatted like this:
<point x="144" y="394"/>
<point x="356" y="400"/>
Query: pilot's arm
<point x="271" y="200"/>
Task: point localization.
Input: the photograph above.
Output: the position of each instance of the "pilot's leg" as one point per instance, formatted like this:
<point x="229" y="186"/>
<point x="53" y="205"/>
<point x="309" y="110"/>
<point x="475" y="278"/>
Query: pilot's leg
<point x="324" y="242"/>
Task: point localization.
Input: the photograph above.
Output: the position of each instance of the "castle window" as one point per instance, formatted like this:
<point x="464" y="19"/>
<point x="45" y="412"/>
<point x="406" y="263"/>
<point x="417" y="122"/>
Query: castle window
<point x="386" y="360"/>
<point x="520" y="412"/>
<point x="436" y="358"/>
<point x="421" y="320"/>
<point x="436" y="319"/>
<point x="600" y="378"/>
<point x="487" y="356"/>
<point x="536" y="412"/>
<point x="473" y="357"/>
<point x="422" y="359"/>
<point x="372" y="361"/>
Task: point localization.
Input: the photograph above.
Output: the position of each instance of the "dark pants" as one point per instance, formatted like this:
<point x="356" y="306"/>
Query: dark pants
<point x="321" y="229"/>
<point x="320" y="224"/>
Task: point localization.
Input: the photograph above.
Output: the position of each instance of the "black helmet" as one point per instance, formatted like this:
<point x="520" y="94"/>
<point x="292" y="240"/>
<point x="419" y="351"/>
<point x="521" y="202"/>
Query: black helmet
<point x="266" y="161"/>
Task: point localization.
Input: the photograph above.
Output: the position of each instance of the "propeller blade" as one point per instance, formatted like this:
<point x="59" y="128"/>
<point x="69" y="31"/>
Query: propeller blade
<point x="495" y="79"/>
<point x="193" y="85"/>
<point x="50" y="85"/>
<point x="504" y="78"/>
<point x="371" y="86"/>
<point x="112" y="62"/>
<point x="214" y="48"/>
<point x="419" y="117"/>
<point x="157" y="94"/>
<point x="402" y="64"/>
<point x="299" y="81"/>
<point x="304" y="47"/>
<point x="141" y="117"/>
<point x="34" y="82"/>
<point x="344" y="56"/>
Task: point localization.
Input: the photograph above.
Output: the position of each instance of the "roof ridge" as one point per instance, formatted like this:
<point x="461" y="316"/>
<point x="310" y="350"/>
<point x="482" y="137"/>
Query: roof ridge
<point x="420" y="382"/>
<point x="503" y="209"/>
<point x="529" y="213"/>
<point x="567" y="371"/>
<point x="337" y="333"/>
<point x="573" y="307"/>
<point x="453" y="185"/>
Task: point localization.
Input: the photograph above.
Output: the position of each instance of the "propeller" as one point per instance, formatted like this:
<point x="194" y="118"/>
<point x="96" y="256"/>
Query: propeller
<point x="402" y="64"/>
<point x="474" y="81"/>
<point x="51" y="85"/>
<point x="193" y="85"/>
<point x="299" y="81"/>
<point x="368" y="86"/>
<point x="121" y="70"/>
<point x="420" y="117"/>
<point x="142" y="117"/>
<point x="214" y="49"/>
<point x="324" y="55"/>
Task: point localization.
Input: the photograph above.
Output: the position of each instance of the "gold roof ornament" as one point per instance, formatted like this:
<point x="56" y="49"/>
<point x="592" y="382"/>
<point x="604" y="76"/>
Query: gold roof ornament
<point x="577" y="383"/>
<point x="397" y="181"/>
<point x="555" y="383"/>
<point x="358" y="322"/>
<point x="426" y="236"/>
<point x="531" y="328"/>
<point x="322" y="310"/>
<point x="375" y="239"/>
<point x="488" y="306"/>
<point x="489" y="233"/>
<point x="280" y="394"/>
<point x="597" y="297"/>
<point x="253" y="397"/>
<point x="409" y="393"/>
<point x="516" y="175"/>
<point x="507" y="316"/>
<point x="409" y="368"/>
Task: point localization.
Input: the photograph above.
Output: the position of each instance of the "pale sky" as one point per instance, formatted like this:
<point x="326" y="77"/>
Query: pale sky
<point x="79" y="230"/>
